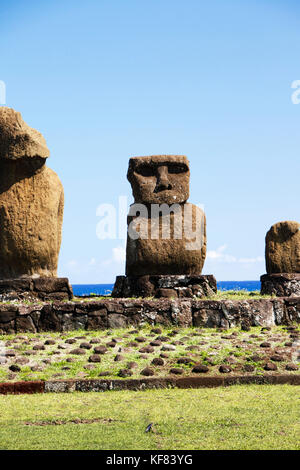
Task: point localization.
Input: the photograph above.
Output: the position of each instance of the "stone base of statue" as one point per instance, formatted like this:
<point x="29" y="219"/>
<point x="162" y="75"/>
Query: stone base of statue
<point x="281" y="285"/>
<point x="41" y="288"/>
<point x="168" y="286"/>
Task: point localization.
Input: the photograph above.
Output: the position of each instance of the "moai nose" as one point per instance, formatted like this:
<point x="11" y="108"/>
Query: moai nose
<point x="163" y="182"/>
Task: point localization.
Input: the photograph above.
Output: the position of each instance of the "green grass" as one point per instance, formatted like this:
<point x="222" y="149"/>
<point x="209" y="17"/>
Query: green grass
<point x="237" y="417"/>
<point x="235" y="294"/>
<point x="213" y="349"/>
<point x="238" y="294"/>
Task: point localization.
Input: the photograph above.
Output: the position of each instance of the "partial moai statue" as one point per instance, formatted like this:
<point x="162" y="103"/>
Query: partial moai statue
<point x="31" y="207"/>
<point x="166" y="241"/>
<point x="282" y="260"/>
<point x="283" y="248"/>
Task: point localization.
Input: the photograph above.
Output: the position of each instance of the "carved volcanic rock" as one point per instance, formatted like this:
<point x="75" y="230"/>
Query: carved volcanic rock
<point x="171" y="255"/>
<point x="283" y="248"/>
<point x="281" y="285"/>
<point x="17" y="139"/>
<point x="159" y="179"/>
<point x="31" y="202"/>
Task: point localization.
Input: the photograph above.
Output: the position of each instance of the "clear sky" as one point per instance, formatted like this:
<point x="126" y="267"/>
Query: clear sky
<point x="104" y="80"/>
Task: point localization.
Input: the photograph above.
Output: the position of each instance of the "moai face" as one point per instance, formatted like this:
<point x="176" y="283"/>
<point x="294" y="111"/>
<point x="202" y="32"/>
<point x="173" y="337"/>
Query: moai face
<point x="159" y="179"/>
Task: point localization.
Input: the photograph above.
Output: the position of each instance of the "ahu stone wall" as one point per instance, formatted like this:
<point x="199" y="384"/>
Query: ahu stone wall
<point x="121" y="313"/>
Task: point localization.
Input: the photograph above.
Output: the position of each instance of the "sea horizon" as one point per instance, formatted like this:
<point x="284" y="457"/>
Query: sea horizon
<point x="106" y="289"/>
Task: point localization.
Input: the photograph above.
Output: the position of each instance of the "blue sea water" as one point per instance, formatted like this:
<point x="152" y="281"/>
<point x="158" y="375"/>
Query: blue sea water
<point x="106" y="289"/>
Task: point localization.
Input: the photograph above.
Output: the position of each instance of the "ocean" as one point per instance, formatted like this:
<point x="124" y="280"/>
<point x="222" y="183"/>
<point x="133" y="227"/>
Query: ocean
<point x="106" y="289"/>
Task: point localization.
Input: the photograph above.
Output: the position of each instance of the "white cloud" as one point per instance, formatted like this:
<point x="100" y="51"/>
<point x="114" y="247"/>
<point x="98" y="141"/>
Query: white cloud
<point x="219" y="255"/>
<point x="119" y="254"/>
<point x="258" y="259"/>
<point x="72" y="263"/>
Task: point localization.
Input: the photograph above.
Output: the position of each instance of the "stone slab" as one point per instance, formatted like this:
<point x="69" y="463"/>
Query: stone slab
<point x="41" y="288"/>
<point x="281" y="285"/>
<point x="94" y="315"/>
<point x="100" y="385"/>
<point x="165" y="286"/>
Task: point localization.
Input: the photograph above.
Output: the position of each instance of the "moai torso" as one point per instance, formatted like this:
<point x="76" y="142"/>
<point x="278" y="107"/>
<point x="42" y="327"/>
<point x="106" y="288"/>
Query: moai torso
<point x="31" y="202"/>
<point x="173" y="239"/>
<point x="283" y="248"/>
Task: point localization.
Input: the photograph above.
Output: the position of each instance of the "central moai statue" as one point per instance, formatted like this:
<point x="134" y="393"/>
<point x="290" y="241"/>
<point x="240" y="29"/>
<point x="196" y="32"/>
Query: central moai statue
<point x="166" y="242"/>
<point x="282" y="260"/>
<point x="31" y="210"/>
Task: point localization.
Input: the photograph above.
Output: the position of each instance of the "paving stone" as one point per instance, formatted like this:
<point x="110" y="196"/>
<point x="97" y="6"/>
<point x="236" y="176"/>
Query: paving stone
<point x="95" y="358"/>
<point x="224" y="369"/>
<point x="200" y="369"/>
<point x="176" y="371"/>
<point x="147" y="372"/>
<point x="158" y="361"/>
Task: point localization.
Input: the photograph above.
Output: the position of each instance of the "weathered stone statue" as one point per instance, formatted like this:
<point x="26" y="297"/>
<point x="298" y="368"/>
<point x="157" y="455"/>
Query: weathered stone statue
<point x="283" y="248"/>
<point x="31" y="204"/>
<point x="166" y="243"/>
<point x="282" y="260"/>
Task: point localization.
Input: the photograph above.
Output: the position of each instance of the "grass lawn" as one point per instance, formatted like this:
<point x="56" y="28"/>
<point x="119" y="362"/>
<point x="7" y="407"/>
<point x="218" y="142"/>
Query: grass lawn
<point x="237" y="417"/>
<point x="76" y="355"/>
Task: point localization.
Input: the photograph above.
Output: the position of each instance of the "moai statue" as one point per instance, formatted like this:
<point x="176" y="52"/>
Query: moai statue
<point x="282" y="260"/>
<point x="31" y="211"/>
<point x="166" y="242"/>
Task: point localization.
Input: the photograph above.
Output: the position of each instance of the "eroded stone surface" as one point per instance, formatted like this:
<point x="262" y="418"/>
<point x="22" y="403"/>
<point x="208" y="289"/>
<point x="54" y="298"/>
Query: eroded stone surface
<point x="31" y="196"/>
<point x="281" y="285"/>
<point x="165" y="286"/>
<point x="283" y="248"/>
<point x="172" y="253"/>
<point x="64" y="316"/>
<point x="166" y="234"/>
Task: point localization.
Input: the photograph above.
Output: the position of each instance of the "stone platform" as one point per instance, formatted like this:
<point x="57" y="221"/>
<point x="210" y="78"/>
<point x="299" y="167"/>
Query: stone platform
<point x="281" y="285"/>
<point x="121" y="313"/>
<point x="42" y="288"/>
<point x="168" y="286"/>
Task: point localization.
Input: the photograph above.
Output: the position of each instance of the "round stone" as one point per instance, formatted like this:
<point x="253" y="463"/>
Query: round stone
<point x="125" y="373"/>
<point x="224" y="369"/>
<point x="176" y="371"/>
<point x="291" y="366"/>
<point x="158" y="361"/>
<point x="200" y="369"/>
<point x="15" y="368"/>
<point x="147" y="372"/>
<point x="77" y="351"/>
<point x="270" y="366"/>
<point x="95" y="358"/>
<point x="85" y="346"/>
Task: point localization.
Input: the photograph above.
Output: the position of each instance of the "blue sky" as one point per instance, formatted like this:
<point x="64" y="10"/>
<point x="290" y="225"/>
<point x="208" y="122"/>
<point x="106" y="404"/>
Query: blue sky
<point x="108" y="79"/>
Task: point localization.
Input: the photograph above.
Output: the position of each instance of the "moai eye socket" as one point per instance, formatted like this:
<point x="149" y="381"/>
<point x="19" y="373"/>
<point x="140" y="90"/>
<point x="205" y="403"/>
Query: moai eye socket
<point x="177" y="168"/>
<point x="145" y="170"/>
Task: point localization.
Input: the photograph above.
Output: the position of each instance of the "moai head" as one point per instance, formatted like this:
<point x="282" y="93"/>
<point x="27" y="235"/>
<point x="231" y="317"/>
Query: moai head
<point x="283" y="248"/>
<point x="18" y="140"/>
<point x="159" y="179"/>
